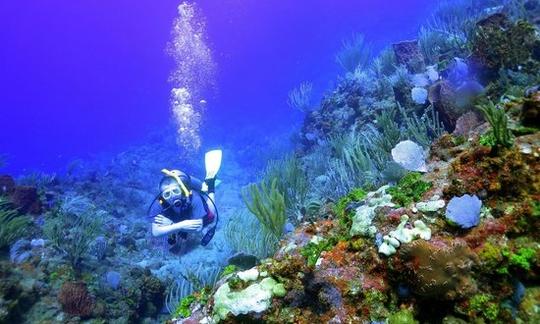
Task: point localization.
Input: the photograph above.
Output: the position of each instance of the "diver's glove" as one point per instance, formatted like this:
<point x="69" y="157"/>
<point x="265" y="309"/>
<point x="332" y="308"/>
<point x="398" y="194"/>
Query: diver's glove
<point x="210" y="184"/>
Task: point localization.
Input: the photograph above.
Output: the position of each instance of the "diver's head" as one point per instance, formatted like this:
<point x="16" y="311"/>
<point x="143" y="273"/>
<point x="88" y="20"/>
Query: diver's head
<point x="174" y="189"/>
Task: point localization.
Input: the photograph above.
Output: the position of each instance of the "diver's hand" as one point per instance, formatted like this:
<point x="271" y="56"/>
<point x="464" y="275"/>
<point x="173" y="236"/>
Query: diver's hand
<point x="192" y="225"/>
<point x="161" y="220"/>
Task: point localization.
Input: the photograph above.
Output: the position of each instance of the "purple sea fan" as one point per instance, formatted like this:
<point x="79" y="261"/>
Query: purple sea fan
<point x="464" y="211"/>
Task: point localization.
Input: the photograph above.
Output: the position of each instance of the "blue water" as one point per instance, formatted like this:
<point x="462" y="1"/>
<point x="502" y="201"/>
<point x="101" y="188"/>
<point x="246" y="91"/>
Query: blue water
<point x="81" y="78"/>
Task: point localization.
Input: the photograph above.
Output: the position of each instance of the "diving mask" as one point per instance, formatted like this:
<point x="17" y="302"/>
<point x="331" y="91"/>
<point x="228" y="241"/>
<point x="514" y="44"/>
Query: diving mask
<point x="171" y="192"/>
<point x="173" y="195"/>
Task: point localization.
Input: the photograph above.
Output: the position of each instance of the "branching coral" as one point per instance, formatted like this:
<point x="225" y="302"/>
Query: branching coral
<point x="292" y="183"/>
<point x="421" y="130"/>
<point x="448" y="29"/>
<point x="245" y="234"/>
<point x="499" y="124"/>
<point x="300" y="97"/>
<point x="352" y="167"/>
<point x="73" y="234"/>
<point x="354" y="54"/>
<point x="385" y="63"/>
<point x="12" y="225"/>
<point x="389" y="129"/>
<point x="190" y="287"/>
<point x="268" y="205"/>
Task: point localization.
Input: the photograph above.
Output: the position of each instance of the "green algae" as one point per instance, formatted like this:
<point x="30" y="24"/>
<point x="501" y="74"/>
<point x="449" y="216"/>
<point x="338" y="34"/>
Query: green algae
<point x="340" y="209"/>
<point x="312" y="251"/>
<point x="404" y="316"/>
<point x="183" y="309"/>
<point x="409" y="189"/>
<point x="485" y="306"/>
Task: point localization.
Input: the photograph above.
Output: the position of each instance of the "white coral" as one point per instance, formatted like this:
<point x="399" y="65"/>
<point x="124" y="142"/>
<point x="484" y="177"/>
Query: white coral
<point x="403" y="234"/>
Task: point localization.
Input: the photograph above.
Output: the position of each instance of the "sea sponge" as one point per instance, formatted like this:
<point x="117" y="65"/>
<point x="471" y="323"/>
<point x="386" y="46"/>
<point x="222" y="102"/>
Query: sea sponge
<point x="464" y="211"/>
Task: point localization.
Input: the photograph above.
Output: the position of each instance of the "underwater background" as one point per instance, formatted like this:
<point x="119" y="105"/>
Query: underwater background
<point x="380" y="160"/>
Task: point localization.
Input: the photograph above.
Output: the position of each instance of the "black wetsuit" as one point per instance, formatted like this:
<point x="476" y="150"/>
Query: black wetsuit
<point x="197" y="210"/>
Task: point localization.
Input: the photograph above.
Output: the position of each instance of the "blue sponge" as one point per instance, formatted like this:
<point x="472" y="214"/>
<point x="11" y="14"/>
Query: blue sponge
<point x="464" y="211"/>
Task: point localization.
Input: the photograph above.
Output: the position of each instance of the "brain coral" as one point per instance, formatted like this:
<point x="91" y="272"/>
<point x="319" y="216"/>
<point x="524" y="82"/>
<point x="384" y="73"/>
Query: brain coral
<point x="438" y="269"/>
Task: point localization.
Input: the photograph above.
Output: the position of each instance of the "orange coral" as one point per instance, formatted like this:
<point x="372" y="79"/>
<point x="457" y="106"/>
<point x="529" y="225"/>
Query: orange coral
<point x="338" y="255"/>
<point x="511" y="175"/>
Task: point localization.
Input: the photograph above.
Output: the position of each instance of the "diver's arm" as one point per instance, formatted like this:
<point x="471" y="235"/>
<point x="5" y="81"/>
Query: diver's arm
<point x="190" y="225"/>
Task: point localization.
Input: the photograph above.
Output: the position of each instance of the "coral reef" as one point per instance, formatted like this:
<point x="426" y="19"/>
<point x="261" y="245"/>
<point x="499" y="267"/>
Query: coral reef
<point x="498" y="42"/>
<point x="345" y="267"/>
<point x="16" y="297"/>
<point x="341" y="231"/>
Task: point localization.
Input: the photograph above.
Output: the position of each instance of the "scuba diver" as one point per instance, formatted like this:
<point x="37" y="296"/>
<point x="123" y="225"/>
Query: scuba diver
<point x="186" y="204"/>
